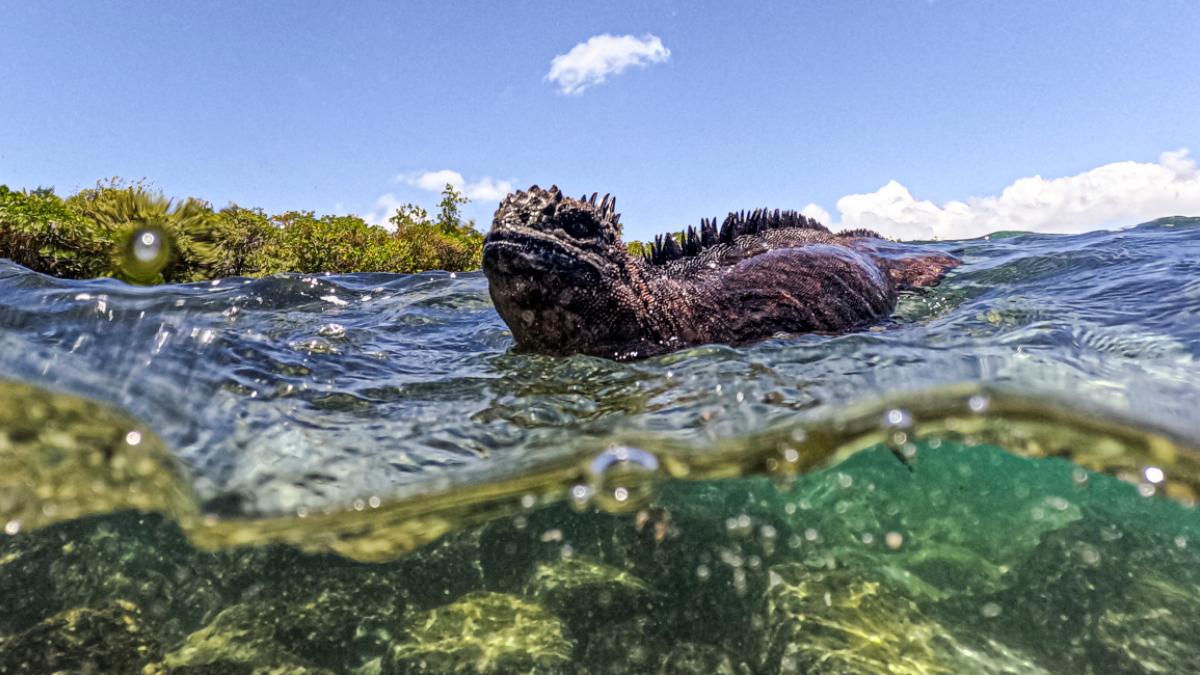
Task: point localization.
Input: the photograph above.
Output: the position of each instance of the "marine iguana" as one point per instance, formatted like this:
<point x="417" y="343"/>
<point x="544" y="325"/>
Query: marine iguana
<point x="562" y="280"/>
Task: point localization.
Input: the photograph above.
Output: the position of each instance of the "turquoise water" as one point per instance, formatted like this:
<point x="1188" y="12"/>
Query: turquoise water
<point x="351" y="474"/>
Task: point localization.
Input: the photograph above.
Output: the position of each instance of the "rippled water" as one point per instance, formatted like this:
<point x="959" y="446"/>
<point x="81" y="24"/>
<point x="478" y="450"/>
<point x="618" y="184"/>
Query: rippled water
<point x="371" y="414"/>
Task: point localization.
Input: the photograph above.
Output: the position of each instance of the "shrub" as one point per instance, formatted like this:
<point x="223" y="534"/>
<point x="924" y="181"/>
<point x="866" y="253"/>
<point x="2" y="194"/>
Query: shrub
<point x="88" y="235"/>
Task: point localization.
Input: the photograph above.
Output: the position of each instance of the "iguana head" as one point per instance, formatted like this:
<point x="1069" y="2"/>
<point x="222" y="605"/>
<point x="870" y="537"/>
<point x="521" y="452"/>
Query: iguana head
<point x="559" y="274"/>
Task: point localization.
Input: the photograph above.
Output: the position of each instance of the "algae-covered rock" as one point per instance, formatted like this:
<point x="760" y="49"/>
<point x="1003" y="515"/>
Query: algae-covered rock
<point x="143" y="558"/>
<point x="687" y="658"/>
<point x="326" y="609"/>
<point x="442" y="571"/>
<point x="241" y="638"/>
<point x="1098" y="596"/>
<point x="640" y="646"/>
<point x="836" y="622"/>
<point x="112" y="638"/>
<point x="617" y="648"/>
<point x="484" y="633"/>
<point x="586" y="593"/>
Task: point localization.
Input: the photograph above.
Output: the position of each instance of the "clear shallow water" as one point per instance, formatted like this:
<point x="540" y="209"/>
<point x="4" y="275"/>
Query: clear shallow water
<point x="370" y="414"/>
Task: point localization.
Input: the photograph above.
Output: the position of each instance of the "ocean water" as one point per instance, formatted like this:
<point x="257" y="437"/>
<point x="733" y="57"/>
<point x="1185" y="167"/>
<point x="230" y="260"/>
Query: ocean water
<point x="353" y="474"/>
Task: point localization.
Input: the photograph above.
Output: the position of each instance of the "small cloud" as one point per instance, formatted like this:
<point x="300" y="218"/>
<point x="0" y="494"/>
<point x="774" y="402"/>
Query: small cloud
<point x="590" y="63"/>
<point x="1112" y="195"/>
<point x="486" y="189"/>
<point x="817" y="213"/>
<point x="382" y="209"/>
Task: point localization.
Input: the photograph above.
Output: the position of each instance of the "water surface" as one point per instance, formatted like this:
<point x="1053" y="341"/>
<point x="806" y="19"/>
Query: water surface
<point x="998" y="479"/>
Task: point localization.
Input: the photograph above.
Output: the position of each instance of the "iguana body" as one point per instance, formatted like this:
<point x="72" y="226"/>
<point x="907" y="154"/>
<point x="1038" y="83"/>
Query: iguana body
<point x="562" y="280"/>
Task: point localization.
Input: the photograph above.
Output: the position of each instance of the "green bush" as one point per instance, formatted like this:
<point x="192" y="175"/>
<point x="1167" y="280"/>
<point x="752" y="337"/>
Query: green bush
<point x="88" y="235"/>
<point x="39" y="231"/>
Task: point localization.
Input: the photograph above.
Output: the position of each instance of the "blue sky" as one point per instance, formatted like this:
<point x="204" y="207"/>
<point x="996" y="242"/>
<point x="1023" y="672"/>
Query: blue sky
<point x="343" y="107"/>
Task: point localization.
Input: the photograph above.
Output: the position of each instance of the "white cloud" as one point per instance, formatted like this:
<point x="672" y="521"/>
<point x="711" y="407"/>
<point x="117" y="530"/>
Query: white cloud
<point x="817" y="213"/>
<point x="1113" y="195"/>
<point x="590" y="63"/>
<point x="383" y="209"/>
<point x="486" y="189"/>
<point x="482" y="191"/>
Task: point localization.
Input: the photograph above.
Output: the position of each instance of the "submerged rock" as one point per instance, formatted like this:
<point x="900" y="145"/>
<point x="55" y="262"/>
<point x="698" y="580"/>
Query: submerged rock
<point x="326" y="609"/>
<point x="484" y="633"/>
<point x="112" y="638"/>
<point x="442" y="571"/>
<point x="836" y="622"/>
<point x="142" y="558"/>
<point x="686" y="658"/>
<point x="586" y="593"/>
<point x="1098" y="597"/>
<point x="241" y="639"/>
<point x="641" y="646"/>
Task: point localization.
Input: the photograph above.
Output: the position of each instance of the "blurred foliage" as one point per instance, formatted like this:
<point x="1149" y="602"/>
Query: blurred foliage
<point x="88" y="234"/>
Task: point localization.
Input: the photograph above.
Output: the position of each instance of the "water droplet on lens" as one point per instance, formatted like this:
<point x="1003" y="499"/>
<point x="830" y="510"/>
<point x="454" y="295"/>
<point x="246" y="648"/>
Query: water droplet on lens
<point x="147" y="245"/>
<point x="144" y="254"/>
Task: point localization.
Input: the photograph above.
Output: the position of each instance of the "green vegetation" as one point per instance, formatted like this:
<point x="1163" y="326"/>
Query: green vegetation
<point x="92" y="234"/>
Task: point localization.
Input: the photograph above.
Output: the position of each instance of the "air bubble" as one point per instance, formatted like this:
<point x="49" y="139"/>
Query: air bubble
<point x="978" y="403"/>
<point x="623" y="478"/>
<point x="581" y="497"/>
<point x="898" y="423"/>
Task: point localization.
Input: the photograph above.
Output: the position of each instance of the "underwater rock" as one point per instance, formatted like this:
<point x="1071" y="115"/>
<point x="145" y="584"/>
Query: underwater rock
<point x="482" y="633"/>
<point x="1099" y="597"/>
<point x="687" y="658"/>
<point x="836" y="622"/>
<point x="442" y="571"/>
<point x="323" y="608"/>
<point x="241" y="639"/>
<point x="142" y="558"/>
<point x="112" y="638"/>
<point x="585" y="593"/>
<point x="623" y="647"/>
<point x="642" y="646"/>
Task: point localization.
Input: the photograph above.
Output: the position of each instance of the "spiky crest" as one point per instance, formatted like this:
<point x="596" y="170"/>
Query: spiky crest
<point x="860" y="232"/>
<point x="666" y="247"/>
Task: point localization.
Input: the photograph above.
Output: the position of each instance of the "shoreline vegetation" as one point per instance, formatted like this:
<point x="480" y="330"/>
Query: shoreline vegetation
<point x="92" y="234"/>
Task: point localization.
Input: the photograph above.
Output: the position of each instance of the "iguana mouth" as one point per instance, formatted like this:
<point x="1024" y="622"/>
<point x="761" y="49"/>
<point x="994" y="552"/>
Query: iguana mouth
<point x="532" y="249"/>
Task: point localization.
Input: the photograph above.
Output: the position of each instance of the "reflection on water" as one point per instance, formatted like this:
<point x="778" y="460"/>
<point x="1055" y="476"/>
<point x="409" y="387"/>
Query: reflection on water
<point x="349" y="474"/>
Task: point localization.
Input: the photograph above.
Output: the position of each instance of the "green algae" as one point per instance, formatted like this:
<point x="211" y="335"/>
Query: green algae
<point x="483" y="633"/>
<point x="109" y="638"/>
